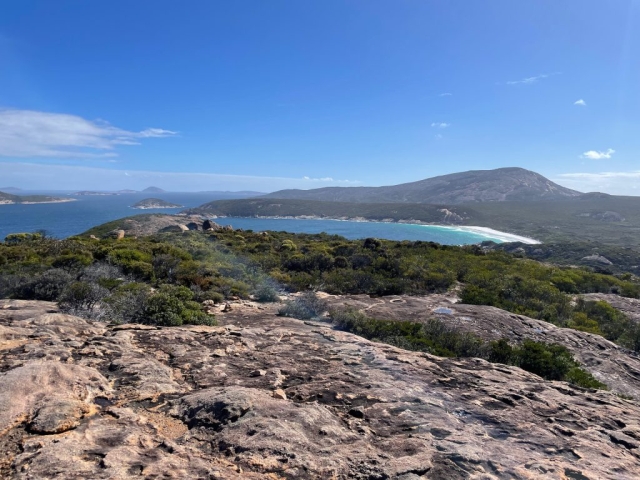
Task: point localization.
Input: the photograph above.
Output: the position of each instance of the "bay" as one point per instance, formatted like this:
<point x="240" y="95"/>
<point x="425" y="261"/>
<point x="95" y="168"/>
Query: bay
<point x="62" y="220"/>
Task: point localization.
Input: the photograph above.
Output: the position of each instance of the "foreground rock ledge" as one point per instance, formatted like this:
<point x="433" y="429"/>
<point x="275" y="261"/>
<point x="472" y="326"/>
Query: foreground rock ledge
<point x="86" y="400"/>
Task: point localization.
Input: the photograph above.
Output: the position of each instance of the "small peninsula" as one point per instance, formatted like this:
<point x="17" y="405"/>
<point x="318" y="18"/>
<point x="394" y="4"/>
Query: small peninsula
<point x="8" y="199"/>
<point x="149" y="203"/>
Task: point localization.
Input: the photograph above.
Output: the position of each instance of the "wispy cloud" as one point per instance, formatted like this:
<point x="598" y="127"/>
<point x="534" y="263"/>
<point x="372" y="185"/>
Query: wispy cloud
<point x="325" y="179"/>
<point x="595" y="155"/>
<point x="580" y="102"/>
<point x="445" y="95"/>
<point x="42" y="176"/>
<point x="438" y="136"/>
<point x="534" y="79"/>
<point x="615" y="183"/>
<point x="28" y="133"/>
<point x="440" y="125"/>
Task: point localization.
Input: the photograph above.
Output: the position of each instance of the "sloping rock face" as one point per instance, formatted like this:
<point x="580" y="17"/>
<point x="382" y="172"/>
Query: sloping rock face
<point x="269" y="397"/>
<point x="615" y="366"/>
<point x="629" y="306"/>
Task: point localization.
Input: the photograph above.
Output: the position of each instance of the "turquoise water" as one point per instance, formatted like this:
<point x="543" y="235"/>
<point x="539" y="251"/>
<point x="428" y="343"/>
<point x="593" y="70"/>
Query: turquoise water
<point x="355" y="230"/>
<point x="65" y="219"/>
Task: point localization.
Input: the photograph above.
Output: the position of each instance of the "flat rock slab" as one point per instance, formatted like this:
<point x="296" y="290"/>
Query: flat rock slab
<point x="159" y="403"/>
<point x="618" y="368"/>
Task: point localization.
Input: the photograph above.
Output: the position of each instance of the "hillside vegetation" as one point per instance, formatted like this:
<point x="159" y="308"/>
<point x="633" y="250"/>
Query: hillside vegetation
<point x="113" y="278"/>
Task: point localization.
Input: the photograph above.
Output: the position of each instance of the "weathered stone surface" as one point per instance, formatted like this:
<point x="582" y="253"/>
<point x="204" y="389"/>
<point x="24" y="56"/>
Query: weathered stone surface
<point x="629" y="306"/>
<point x="156" y="403"/>
<point x="615" y="366"/>
<point x="58" y="416"/>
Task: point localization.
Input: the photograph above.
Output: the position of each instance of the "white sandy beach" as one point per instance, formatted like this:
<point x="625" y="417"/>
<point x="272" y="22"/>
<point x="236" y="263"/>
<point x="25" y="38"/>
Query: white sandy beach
<point x="496" y="234"/>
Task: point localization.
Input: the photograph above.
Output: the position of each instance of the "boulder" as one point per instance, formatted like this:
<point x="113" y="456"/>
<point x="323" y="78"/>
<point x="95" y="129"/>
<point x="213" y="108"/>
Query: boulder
<point x="597" y="259"/>
<point x="209" y="225"/>
<point x="116" y="234"/>
<point x="194" y="226"/>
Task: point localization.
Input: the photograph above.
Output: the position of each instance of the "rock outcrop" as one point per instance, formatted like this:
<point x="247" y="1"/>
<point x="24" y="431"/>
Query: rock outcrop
<point x="269" y="397"/>
<point x="629" y="306"/>
<point x="606" y="361"/>
<point x="150" y="224"/>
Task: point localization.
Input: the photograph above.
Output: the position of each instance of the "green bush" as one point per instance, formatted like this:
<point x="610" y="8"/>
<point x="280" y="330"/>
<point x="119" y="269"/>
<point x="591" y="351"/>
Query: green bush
<point x="49" y="286"/>
<point x="304" y="307"/>
<point x="82" y="298"/>
<point x="17" y="238"/>
<point x="72" y="261"/>
<point x="266" y="292"/>
<point x="173" y="306"/>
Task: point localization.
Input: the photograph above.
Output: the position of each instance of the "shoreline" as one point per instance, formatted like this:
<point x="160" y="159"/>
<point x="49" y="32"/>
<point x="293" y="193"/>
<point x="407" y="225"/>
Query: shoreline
<point x="488" y="233"/>
<point x="499" y="235"/>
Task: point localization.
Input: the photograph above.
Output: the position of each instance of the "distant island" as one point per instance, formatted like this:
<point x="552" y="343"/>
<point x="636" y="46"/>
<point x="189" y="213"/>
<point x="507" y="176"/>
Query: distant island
<point x="9" y="199"/>
<point x="149" y="203"/>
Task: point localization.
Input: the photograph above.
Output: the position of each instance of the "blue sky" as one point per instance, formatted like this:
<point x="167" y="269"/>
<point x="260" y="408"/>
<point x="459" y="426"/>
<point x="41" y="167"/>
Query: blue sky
<point x="262" y="95"/>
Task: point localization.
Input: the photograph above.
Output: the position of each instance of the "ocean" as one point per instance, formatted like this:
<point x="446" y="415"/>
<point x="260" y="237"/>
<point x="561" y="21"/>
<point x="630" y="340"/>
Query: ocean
<point x="62" y="220"/>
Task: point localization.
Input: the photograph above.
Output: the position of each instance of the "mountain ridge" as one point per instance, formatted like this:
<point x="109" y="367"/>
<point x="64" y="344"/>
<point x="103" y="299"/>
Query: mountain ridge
<point x="473" y="186"/>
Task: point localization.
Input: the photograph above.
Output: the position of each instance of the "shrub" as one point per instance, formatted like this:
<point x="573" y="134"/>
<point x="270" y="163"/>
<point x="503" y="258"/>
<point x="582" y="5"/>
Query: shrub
<point x="49" y="286"/>
<point x="126" y="303"/>
<point x="173" y="306"/>
<point x="82" y="298"/>
<point x="610" y="322"/>
<point x="288" y="246"/>
<point x="304" y="307"/>
<point x="266" y="292"/>
<point x="73" y="261"/>
<point x="17" y="238"/>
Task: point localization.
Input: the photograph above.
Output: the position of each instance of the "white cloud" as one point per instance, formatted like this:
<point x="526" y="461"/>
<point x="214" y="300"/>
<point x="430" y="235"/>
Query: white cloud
<point x="445" y="95"/>
<point x="595" y="155"/>
<point x="580" y="102"/>
<point x="534" y="79"/>
<point x="324" y="179"/>
<point x="615" y="183"/>
<point x="28" y="133"/>
<point x="440" y="125"/>
<point x="438" y="136"/>
<point x="48" y="176"/>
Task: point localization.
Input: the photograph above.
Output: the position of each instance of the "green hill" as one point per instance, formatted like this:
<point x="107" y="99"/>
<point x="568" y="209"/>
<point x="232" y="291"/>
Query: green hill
<point x="500" y="185"/>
